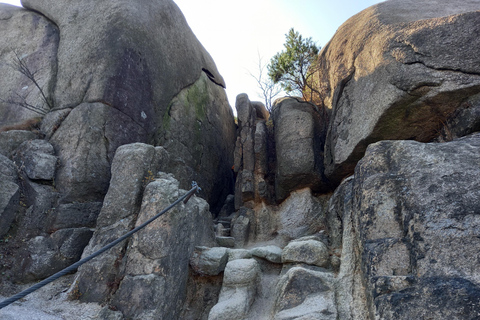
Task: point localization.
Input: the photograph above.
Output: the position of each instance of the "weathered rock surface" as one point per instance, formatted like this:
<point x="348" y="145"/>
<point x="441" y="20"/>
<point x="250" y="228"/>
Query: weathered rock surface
<point x="416" y="218"/>
<point x="463" y="121"/>
<point x="396" y="71"/>
<point x="85" y="144"/>
<point x="300" y="130"/>
<point x="29" y="38"/>
<point x="238" y="290"/>
<point x="9" y="194"/>
<point x="126" y="92"/>
<point x="133" y="167"/>
<point x="37" y="159"/>
<point x="157" y="258"/>
<point x="305" y="294"/>
<point x="309" y="251"/>
<point x="302" y="214"/>
<point x="250" y="173"/>
<point x="199" y="133"/>
<point x="270" y="253"/>
<point x="10" y="140"/>
<point x="209" y="261"/>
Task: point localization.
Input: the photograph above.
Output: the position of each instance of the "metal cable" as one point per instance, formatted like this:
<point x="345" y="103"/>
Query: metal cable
<point x="77" y="264"/>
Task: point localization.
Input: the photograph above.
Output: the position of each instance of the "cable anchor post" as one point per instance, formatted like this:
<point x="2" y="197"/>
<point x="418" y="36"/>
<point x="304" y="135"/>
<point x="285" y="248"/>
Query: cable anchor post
<point x="195" y="189"/>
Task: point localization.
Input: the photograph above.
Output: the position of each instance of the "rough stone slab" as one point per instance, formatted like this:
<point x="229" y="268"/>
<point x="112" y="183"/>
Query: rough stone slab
<point x="209" y="261"/>
<point x="37" y="158"/>
<point x="308" y="251"/>
<point x="238" y="290"/>
<point x="270" y="253"/>
<point x="305" y="294"/>
<point x="10" y="140"/>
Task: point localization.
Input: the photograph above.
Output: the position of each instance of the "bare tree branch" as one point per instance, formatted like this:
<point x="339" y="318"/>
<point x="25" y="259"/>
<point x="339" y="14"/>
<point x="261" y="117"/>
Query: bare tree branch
<point x="20" y="65"/>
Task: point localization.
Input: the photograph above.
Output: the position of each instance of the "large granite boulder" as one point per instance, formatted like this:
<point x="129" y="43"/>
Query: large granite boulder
<point x="135" y="72"/>
<point x="29" y="39"/>
<point x="300" y="130"/>
<point x="411" y="231"/>
<point x="397" y="70"/>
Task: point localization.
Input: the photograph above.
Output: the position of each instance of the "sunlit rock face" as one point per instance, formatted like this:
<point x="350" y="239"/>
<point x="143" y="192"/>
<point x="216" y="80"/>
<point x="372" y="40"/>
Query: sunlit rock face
<point x="396" y="70"/>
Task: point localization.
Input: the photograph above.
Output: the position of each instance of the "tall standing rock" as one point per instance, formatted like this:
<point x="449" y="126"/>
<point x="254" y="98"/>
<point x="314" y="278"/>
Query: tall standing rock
<point x="300" y="130"/>
<point x="124" y="63"/>
<point x="397" y="70"/>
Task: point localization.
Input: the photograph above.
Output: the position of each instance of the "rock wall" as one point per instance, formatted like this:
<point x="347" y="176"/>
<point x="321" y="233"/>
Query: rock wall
<point x="101" y="76"/>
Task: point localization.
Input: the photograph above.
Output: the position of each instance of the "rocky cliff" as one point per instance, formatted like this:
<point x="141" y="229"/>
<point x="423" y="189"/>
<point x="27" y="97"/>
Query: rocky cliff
<point x="363" y="206"/>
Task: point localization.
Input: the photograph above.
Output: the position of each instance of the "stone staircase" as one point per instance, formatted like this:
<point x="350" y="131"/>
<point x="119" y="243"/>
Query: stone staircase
<point x="269" y="282"/>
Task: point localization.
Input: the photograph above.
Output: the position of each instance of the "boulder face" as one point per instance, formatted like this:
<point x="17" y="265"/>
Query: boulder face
<point x="121" y="90"/>
<point x="300" y="130"/>
<point x="30" y="40"/>
<point x="397" y="70"/>
<point x="414" y="220"/>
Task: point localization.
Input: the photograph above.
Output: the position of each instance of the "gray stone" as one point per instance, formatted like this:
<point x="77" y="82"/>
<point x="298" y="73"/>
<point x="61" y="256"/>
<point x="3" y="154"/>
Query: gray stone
<point x="9" y="194"/>
<point x="209" y="261"/>
<point x="8" y="170"/>
<point x="71" y="242"/>
<point x="52" y="121"/>
<point x="270" y="253"/>
<point x="240" y="227"/>
<point x="96" y="280"/>
<point x="234" y="254"/>
<point x="251" y="154"/>
<point x="149" y="82"/>
<point x="407" y="65"/>
<point x="107" y="314"/>
<point x="134" y="166"/>
<point x="414" y="218"/>
<point x="227" y="242"/>
<point x="241" y="272"/>
<point x="37" y="159"/>
<point x="157" y="259"/>
<point x="260" y="110"/>
<point x="9" y="198"/>
<point x="305" y="294"/>
<point x="300" y="130"/>
<point x="463" y="121"/>
<point x="199" y="133"/>
<point x="107" y="68"/>
<point x="86" y="143"/>
<point x="301" y="214"/>
<point x="34" y="39"/>
<point x="10" y="140"/>
<point x="48" y="255"/>
<point x="75" y="215"/>
<point x="311" y="252"/>
<point x="238" y="290"/>
<point x="40" y="199"/>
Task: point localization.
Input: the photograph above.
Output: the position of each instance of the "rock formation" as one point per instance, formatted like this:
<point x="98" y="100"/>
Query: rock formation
<point x="362" y="207"/>
<point x="397" y="70"/>
<point x="100" y="81"/>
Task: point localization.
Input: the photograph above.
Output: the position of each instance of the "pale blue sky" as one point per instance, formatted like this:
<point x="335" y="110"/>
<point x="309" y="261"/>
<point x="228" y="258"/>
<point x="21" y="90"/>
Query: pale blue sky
<point x="236" y="32"/>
